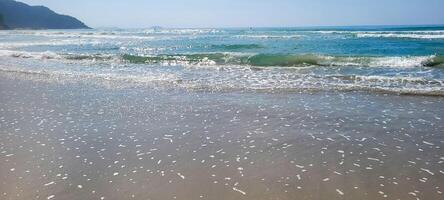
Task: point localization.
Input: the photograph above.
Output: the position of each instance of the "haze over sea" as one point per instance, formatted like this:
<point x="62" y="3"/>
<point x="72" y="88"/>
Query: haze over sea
<point x="317" y="113"/>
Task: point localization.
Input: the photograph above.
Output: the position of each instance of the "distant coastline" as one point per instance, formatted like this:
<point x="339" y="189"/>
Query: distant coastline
<point x="18" y="15"/>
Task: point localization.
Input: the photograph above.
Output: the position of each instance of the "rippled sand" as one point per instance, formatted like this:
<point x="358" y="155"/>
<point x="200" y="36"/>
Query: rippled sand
<point x="80" y="141"/>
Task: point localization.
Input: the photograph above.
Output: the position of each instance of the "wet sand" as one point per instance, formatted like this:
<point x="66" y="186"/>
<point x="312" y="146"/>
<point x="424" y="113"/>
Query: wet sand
<point x="82" y="141"/>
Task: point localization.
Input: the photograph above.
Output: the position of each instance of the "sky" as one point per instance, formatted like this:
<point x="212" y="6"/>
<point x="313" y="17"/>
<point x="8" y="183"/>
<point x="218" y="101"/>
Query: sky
<point x="247" y="13"/>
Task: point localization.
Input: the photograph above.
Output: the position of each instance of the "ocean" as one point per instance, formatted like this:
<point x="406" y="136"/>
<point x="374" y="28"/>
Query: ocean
<point x="330" y="113"/>
<point x="388" y="59"/>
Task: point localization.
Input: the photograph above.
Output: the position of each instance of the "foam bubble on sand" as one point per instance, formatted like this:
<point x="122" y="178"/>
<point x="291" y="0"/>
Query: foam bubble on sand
<point x="428" y="171"/>
<point x="240" y="191"/>
<point x="50" y="183"/>
<point x="339" y="192"/>
<point x="181" y="176"/>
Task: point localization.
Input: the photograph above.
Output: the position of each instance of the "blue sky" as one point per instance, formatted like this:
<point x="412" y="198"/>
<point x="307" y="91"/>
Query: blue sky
<point x="248" y="13"/>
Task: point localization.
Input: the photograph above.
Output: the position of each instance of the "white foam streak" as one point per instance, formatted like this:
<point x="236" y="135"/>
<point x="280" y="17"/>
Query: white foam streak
<point x="269" y="36"/>
<point x="58" y="42"/>
<point x="403" y="62"/>
<point x="433" y="34"/>
<point x="34" y="55"/>
<point x="181" y="31"/>
<point x="396" y="35"/>
<point x="147" y="78"/>
<point x="83" y="35"/>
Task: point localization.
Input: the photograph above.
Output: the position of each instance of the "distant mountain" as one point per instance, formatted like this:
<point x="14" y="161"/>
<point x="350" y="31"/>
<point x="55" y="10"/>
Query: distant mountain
<point x="17" y="15"/>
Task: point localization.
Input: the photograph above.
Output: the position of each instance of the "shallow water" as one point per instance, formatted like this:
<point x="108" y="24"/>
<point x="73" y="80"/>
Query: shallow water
<point x="83" y="141"/>
<point x="389" y="59"/>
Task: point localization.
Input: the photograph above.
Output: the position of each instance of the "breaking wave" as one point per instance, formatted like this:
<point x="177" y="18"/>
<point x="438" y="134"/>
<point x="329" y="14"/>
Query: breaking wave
<point x="242" y="59"/>
<point x="400" y="35"/>
<point x="49" y="65"/>
<point x="283" y="37"/>
<point x="231" y="47"/>
<point x="424" y="34"/>
<point x="276" y="60"/>
<point x="234" y="59"/>
<point x="239" y="80"/>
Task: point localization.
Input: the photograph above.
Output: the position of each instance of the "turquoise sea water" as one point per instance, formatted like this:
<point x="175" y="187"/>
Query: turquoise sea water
<point x="392" y="59"/>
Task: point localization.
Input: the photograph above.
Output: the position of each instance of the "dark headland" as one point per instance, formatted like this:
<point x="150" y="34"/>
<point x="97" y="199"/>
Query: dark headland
<point x="18" y="15"/>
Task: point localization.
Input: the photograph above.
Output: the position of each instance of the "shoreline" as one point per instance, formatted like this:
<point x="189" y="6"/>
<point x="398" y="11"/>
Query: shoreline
<point x="122" y="83"/>
<point x="74" y="140"/>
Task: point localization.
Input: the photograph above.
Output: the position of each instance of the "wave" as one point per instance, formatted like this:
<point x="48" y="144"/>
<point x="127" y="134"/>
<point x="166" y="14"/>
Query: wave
<point x="11" y="45"/>
<point x="237" y="80"/>
<point x="34" y="55"/>
<point x="116" y="72"/>
<point x="136" y="34"/>
<point x="84" y="35"/>
<point x="430" y="34"/>
<point x="231" y="47"/>
<point x="276" y="60"/>
<point x="181" y="31"/>
<point x="436" y="61"/>
<point x="116" y="79"/>
<point x="269" y="36"/>
<point x="389" y="80"/>
<point x="243" y="59"/>
<point x="398" y="35"/>
<point x="61" y="57"/>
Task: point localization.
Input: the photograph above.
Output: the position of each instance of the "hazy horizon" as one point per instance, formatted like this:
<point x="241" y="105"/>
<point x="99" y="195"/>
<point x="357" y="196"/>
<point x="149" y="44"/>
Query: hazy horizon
<point x="232" y="14"/>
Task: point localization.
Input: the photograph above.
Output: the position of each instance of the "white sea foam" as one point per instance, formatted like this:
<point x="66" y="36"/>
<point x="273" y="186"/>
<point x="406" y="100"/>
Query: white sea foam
<point x="400" y="35"/>
<point x="396" y="79"/>
<point x="62" y="58"/>
<point x="382" y="32"/>
<point x="389" y="61"/>
<point x="432" y="34"/>
<point x="81" y="34"/>
<point x="406" y="61"/>
<point x="182" y="31"/>
<point x="113" y="69"/>
<point x="231" y="59"/>
<point x="34" y="55"/>
<point x="269" y="36"/>
<point x="66" y="74"/>
<point x="237" y="79"/>
<point x="58" y="42"/>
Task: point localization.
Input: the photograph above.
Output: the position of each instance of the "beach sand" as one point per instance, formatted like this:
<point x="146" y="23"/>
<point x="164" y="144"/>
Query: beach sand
<point x="85" y="141"/>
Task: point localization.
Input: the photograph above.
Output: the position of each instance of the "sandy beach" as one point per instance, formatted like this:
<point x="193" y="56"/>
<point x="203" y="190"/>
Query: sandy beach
<point x="85" y="141"/>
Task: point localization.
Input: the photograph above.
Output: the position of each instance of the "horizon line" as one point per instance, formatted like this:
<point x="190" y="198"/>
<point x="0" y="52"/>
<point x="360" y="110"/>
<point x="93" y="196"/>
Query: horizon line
<point x="247" y="27"/>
